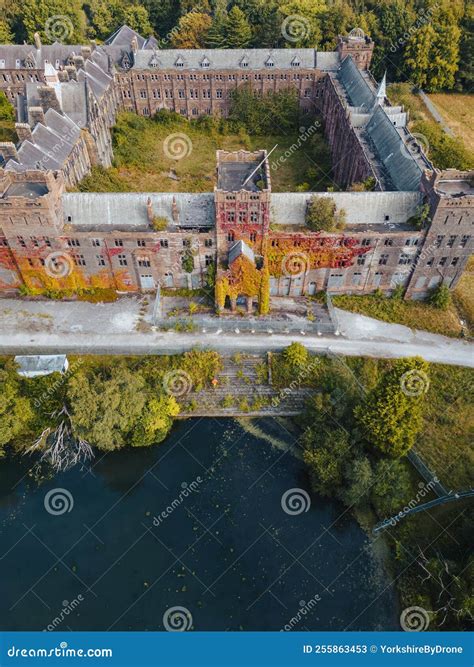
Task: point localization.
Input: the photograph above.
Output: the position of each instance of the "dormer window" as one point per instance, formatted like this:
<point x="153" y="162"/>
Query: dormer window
<point x="295" y="62"/>
<point x="154" y="61"/>
<point x="179" y="62"/>
<point x="205" y="63"/>
<point x="58" y="63"/>
<point x="269" y="62"/>
<point x="244" y="62"/>
<point x="125" y="62"/>
<point x="17" y="63"/>
<point x="2" y="64"/>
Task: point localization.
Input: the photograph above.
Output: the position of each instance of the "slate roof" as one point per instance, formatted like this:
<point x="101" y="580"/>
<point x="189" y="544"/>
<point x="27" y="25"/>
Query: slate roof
<point x="128" y="211"/>
<point x="396" y="157"/>
<point x="50" y="146"/>
<point x="219" y="59"/>
<point x="51" y="53"/>
<point x="356" y="87"/>
<point x="328" y="61"/>
<point x="123" y="37"/>
<point x="241" y="248"/>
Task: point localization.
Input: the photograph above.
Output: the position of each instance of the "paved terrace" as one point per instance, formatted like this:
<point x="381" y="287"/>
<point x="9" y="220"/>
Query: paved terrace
<point x="51" y="327"/>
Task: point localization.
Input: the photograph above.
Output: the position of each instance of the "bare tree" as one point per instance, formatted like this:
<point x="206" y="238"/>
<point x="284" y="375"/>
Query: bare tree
<point x="60" y="445"/>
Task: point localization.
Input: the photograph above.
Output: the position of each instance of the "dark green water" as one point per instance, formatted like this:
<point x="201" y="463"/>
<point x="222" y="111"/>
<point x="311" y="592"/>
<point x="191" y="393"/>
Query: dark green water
<point x="227" y="552"/>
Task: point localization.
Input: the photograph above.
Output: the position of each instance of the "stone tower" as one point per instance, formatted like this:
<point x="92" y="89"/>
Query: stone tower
<point x="449" y="240"/>
<point x="358" y="45"/>
<point x="242" y="203"/>
<point x="242" y="200"/>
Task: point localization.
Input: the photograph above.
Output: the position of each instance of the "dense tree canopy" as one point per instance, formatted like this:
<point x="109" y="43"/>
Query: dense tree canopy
<point x="15" y="409"/>
<point x="391" y="415"/>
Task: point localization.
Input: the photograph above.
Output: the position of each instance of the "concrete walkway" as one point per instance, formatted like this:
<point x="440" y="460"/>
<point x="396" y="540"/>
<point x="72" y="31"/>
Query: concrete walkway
<point x="34" y="327"/>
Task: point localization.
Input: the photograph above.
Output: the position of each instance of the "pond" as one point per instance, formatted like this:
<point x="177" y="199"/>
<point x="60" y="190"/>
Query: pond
<point x="215" y="521"/>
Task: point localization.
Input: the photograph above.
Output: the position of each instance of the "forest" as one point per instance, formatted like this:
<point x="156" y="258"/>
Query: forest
<point x="428" y="43"/>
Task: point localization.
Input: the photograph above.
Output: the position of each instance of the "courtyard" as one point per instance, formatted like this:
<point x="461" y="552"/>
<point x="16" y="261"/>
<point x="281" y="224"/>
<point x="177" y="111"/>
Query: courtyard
<point x="144" y="162"/>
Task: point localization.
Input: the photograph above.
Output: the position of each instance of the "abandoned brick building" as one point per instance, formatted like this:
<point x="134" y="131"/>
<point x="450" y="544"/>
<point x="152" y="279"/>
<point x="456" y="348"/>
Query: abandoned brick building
<point x="255" y="241"/>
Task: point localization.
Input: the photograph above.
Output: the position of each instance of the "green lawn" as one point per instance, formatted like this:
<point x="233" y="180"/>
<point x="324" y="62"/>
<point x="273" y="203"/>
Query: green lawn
<point x="142" y="165"/>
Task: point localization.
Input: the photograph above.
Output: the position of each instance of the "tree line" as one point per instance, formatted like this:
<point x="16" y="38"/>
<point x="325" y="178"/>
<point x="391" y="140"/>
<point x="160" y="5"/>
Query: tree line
<point x="427" y="42"/>
<point x="100" y="402"/>
<point x="363" y="419"/>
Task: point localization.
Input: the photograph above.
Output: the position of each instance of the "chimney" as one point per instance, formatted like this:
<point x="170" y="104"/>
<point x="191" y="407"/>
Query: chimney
<point x="48" y="99"/>
<point x="134" y="44"/>
<point x="63" y="75"/>
<point x="93" y="45"/>
<point x="23" y="131"/>
<point x="175" y="211"/>
<point x="71" y="72"/>
<point x="78" y="61"/>
<point x="149" y="210"/>
<point x="35" y="115"/>
<point x="85" y="52"/>
<point x="37" y="40"/>
<point x="8" y="151"/>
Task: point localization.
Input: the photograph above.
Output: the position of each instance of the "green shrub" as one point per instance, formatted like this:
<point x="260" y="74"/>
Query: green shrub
<point x="159" y="223"/>
<point x="440" y="297"/>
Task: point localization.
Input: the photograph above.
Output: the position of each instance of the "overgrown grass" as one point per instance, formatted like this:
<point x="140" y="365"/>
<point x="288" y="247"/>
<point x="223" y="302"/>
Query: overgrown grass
<point x="446" y="441"/>
<point x="142" y="162"/>
<point x="413" y="314"/>
<point x="457" y="111"/>
<point x="463" y="296"/>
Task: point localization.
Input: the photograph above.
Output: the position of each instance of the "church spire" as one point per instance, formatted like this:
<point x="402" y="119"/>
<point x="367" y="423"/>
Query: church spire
<point x="382" y="89"/>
